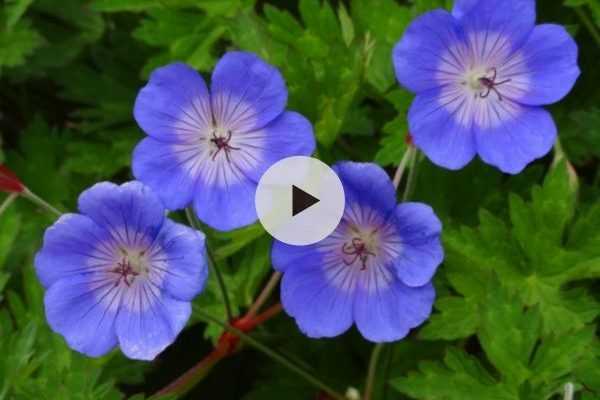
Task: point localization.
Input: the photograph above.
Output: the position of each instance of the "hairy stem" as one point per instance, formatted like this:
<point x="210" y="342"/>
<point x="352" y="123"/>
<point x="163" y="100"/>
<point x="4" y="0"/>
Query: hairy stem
<point x="412" y="176"/>
<point x="402" y="166"/>
<point x="7" y="202"/>
<point x="370" y="383"/>
<point x="268" y="314"/>
<point x="264" y="295"/>
<point x="273" y="355"/>
<point x="589" y="24"/>
<point x="194" y="375"/>
<point x="28" y="194"/>
<point x="222" y="350"/>
<point x="569" y="391"/>
<point x="213" y="266"/>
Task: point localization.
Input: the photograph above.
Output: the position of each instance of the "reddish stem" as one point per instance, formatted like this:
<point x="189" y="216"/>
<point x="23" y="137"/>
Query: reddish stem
<point x="227" y="345"/>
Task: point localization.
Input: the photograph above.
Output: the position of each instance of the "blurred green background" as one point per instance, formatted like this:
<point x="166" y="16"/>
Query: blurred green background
<point x="518" y="294"/>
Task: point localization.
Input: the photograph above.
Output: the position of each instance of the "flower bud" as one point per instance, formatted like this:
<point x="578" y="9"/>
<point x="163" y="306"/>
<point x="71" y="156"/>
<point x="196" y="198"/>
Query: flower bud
<point x="9" y="182"/>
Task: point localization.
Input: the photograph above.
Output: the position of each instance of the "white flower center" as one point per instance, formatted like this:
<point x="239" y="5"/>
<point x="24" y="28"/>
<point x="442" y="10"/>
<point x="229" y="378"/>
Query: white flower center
<point x="131" y="265"/>
<point x="472" y="79"/>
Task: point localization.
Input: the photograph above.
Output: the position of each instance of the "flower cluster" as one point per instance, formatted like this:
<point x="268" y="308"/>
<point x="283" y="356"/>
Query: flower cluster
<point x="120" y="273"/>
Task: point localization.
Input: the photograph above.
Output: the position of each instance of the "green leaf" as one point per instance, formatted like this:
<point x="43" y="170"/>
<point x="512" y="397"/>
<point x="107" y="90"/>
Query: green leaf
<point x="508" y="333"/>
<point x="558" y="356"/>
<point x="314" y="60"/>
<point x="250" y="267"/>
<point x="385" y="21"/>
<point x="539" y="226"/>
<point x="10" y="223"/>
<point x="458" y="378"/>
<point x="528" y="256"/>
<point x="393" y="145"/>
<point x="188" y="35"/>
<point x="346" y="24"/>
<point x="103" y="157"/>
<point x="38" y="161"/>
<point x="136" y="5"/>
<point x="457" y="318"/>
<point x="236" y="240"/>
<point x="580" y="134"/>
<point x="18" y="43"/>
<point x="14" y="10"/>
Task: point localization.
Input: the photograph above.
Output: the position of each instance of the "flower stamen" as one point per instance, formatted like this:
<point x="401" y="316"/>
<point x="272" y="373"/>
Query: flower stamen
<point x="490" y="84"/>
<point x="358" y="249"/>
<point x="125" y="272"/>
<point x="222" y="143"/>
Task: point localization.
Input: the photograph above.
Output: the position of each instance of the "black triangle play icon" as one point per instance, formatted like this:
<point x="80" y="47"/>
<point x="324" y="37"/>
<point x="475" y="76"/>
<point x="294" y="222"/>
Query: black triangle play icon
<point x="301" y="200"/>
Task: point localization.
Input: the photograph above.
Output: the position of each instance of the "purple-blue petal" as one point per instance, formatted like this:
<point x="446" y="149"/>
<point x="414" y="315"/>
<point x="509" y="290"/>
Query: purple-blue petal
<point x="84" y="313"/>
<point x="174" y="106"/>
<point x="290" y="134"/>
<point x="169" y="169"/>
<point x="442" y="129"/>
<point x="511" y="18"/>
<point x="284" y="256"/>
<point x="246" y="92"/>
<point x="131" y="212"/>
<point x="387" y="314"/>
<point x="320" y="308"/>
<point x="421" y="251"/>
<point x="367" y="184"/>
<point x="462" y="7"/>
<point x="520" y="136"/>
<point x="72" y="246"/>
<point x="431" y="50"/>
<point x="183" y="256"/>
<point x="549" y="64"/>
<point x="147" y="322"/>
<point x="226" y="206"/>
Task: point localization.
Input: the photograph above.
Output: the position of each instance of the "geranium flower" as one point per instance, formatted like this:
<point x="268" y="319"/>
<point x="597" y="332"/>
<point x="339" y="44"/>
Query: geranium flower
<point x="481" y="75"/>
<point x="120" y="273"/>
<point x="374" y="270"/>
<point x="210" y="149"/>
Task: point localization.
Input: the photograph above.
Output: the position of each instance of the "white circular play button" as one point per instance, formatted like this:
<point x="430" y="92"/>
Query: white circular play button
<point x="300" y="200"/>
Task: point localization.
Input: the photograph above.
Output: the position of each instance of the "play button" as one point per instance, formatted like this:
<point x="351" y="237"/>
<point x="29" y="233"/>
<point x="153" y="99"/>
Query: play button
<point x="299" y="200"/>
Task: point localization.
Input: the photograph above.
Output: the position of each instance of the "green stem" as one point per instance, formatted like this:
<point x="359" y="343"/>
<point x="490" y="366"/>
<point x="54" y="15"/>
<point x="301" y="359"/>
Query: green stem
<point x="370" y="383"/>
<point x="28" y="194"/>
<point x="569" y="391"/>
<point x="264" y="295"/>
<point x="412" y="175"/>
<point x="273" y="355"/>
<point x="402" y="166"/>
<point x="7" y="202"/>
<point x="386" y="373"/>
<point x="589" y="24"/>
<point x="213" y="266"/>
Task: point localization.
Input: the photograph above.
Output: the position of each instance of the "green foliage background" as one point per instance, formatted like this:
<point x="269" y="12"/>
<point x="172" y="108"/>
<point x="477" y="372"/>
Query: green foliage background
<point x="518" y="293"/>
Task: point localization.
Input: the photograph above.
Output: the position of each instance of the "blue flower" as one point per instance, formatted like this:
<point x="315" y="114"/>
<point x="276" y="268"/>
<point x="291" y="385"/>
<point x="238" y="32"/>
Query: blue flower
<point x="210" y="149"/>
<point x="481" y="75"/>
<point x="374" y="270"/>
<point x="120" y="272"/>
